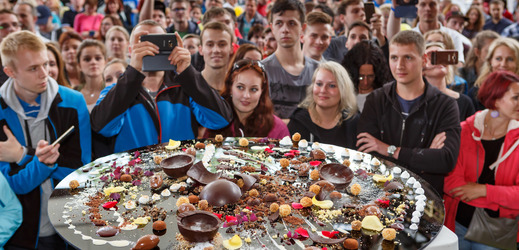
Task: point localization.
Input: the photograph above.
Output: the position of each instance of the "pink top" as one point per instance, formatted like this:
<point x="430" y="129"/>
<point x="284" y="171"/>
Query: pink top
<point x="83" y="22"/>
<point x="279" y="130"/>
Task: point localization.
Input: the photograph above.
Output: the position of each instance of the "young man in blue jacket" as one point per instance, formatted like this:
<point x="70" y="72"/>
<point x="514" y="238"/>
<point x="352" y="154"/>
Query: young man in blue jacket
<point x="145" y="108"/>
<point x="34" y="112"/>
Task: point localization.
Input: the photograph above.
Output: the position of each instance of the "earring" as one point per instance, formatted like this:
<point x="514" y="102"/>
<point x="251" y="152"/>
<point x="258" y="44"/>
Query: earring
<point x="494" y="114"/>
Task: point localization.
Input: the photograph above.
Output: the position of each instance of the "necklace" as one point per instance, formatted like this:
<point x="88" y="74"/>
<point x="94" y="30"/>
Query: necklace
<point x="494" y="133"/>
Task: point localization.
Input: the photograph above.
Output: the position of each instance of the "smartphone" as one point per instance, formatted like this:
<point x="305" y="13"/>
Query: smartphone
<point x="444" y="57"/>
<point x="165" y="42"/>
<point x="159" y="62"/>
<point x="369" y="10"/>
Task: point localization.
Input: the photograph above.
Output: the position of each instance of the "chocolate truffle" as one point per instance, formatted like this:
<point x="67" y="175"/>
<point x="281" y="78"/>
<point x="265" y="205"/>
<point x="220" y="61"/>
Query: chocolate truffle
<point x="126" y="178"/>
<point x="159" y="225"/>
<point x="351" y="244"/>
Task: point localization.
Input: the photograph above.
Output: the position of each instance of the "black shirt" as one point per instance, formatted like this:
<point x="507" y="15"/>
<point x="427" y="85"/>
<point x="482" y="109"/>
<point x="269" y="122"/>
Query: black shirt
<point x="492" y="148"/>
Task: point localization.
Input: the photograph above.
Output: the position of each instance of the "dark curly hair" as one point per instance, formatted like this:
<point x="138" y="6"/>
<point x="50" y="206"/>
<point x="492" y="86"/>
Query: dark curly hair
<point x="366" y="52"/>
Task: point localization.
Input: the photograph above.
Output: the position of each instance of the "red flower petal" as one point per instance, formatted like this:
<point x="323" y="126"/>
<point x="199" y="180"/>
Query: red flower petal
<point x="218" y="215"/>
<point x="301" y="231"/>
<point x="315" y="163"/>
<point x="329" y="234"/>
<point x="297" y="205"/>
<point x="268" y="150"/>
<point x="295" y="152"/>
<point x="229" y="218"/>
<point x="289" y="155"/>
<point x="109" y="204"/>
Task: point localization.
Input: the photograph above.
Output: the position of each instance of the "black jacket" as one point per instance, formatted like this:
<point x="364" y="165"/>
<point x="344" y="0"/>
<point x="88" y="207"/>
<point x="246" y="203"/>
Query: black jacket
<point x="434" y="113"/>
<point x="344" y="135"/>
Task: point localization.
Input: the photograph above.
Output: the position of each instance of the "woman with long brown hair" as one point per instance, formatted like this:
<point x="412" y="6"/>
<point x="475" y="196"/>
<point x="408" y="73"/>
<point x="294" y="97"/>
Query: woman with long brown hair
<point x="247" y="91"/>
<point x="475" y="24"/>
<point x="56" y="65"/>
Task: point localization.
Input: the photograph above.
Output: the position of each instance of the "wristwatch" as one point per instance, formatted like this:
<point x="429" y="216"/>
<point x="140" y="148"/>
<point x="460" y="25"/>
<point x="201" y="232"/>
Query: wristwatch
<point x="391" y="150"/>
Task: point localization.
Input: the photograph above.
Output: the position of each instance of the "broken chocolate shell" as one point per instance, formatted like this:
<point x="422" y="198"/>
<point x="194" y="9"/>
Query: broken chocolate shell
<point x="199" y="173"/>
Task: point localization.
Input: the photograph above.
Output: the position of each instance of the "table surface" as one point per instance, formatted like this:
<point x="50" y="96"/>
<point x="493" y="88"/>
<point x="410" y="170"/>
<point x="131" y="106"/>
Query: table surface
<point x="67" y="209"/>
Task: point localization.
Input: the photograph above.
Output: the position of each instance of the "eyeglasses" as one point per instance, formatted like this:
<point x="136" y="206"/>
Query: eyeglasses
<point x="369" y="77"/>
<point x="9" y="25"/>
<point x="179" y="9"/>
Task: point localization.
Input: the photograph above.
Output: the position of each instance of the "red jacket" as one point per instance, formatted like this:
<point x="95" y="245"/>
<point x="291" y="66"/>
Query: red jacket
<point x="504" y="195"/>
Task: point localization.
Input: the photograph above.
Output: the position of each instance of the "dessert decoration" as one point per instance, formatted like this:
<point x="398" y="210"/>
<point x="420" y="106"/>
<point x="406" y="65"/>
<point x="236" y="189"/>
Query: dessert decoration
<point x="356" y="225"/>
<point x="243" y="142"/>
<point x="159" y="225"/>
<point x="191" y="151"/>
<point x="156" y="181"/>
<point x="107" y="231"/>
<point x="182" y="200"/>
<point x="274" y="207"/>
<point x="221" y="192"/>
<point x="126" y="178"/>
<point x="306" y="202"/>
<point x="318" y="154"/>
<point x="302" y="144"/>
<point x="284" y="210"/>
<point x="146" y="242"/>
<point x="199" y="173"/>
<point x="199" y="145"/>
<point x="177" y="165"/>
<point x="218" y="138"/>
<point x="285" y="142"/>
<point x="173" y="145"/>
<point x="291" y="189"/>
<point x="73" y="184"/>
<point x="389" y="234"/>
<point x="337" y="174"/>
<point x="233" y="243"/>
<point x="372" y="222"/>
<point x="198" y="226"/>
<point x="351" y="244"/>
<point x="355" y="189"/>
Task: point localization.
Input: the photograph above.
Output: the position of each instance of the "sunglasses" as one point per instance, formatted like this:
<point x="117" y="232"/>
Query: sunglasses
<point x="247" y="64"/>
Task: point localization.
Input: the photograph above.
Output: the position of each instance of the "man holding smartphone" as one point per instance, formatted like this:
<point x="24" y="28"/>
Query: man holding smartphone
<point x="351" y="11"/>
<point x="409" y="121"/>
<point x="35" y="111"/>
<point x="145" y="108"/>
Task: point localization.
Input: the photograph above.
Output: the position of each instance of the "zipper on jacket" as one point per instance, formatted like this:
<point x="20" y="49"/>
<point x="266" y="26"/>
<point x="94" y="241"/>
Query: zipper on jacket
<point x="402" y="133"/>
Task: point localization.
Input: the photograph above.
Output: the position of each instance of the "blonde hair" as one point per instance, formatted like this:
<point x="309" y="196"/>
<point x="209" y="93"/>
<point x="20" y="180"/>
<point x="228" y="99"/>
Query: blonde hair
<point x="120" y="29"/>
<point x="348" y="101"/>
<point x="14" y="42"/>
<point x="487" y="67"/>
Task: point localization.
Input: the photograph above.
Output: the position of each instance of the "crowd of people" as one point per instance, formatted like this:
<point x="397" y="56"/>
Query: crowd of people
<point x="258" y="68"/>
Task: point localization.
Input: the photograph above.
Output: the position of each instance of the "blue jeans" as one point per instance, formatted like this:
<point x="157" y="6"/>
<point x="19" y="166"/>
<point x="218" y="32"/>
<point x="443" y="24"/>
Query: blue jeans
<point x="468" y="244"/>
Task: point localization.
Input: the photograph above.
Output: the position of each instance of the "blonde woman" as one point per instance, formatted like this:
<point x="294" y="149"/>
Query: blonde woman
<point x="328" y="114"/>
<point x="117" y="42"/>
<point x="502" y="55"/>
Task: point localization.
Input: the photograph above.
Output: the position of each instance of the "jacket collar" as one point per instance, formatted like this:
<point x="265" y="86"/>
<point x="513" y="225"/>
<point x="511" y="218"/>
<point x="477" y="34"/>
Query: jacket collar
<point x="429" y="92"/>
<point x="8" y="94"/>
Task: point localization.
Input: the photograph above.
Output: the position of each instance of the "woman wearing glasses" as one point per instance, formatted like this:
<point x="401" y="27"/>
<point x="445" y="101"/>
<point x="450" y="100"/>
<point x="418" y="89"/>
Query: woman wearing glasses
<point x="246" y="90"/>
<point x="328" y="114"/>
<point x="368" y="69"/>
